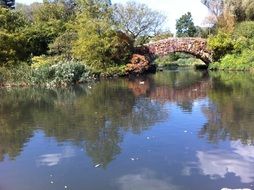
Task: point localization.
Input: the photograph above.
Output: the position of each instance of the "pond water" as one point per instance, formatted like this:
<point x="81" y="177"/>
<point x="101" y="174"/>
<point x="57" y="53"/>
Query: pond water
<point x="170" y="131"/>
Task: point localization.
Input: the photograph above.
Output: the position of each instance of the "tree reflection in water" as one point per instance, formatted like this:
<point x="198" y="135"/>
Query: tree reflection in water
<point x="96" y="117"/>
<point x="230" y="112"/>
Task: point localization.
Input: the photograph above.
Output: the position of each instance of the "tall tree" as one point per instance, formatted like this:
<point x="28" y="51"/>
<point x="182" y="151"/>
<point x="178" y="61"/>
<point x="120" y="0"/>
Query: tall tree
<point x="12" y="41"/>
<point x="242" y="9"/>
<point x="98" y="43"/>
<point x="185" y="26"/>
<point x="214" y="6"/>
<point x="138" y="20"/>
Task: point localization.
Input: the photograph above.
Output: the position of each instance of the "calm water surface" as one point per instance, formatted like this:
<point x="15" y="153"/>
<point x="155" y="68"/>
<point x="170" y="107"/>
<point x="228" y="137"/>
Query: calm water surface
<point x="175" y="130"/>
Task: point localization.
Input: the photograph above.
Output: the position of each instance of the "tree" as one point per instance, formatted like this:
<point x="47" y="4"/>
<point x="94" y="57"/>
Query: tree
<point x="236" y="8"/>
<point x="214" y="6"/>
<point x="185" y="26"/>
<point x="48" y="22"/>
<point x="242" y="9"/>
<point x="138" y="20"/>
<point x="97" y="43"/>
<point x="12" y="41"/>
<point x="7" y="3"/>
<point x="11" y="21"/>
<point x="203" y="32"/>
<point x="249" y="9"/>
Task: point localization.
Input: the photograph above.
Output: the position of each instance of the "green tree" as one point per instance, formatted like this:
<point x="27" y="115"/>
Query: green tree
<point x="98" y="44"/>
<point x="62" y="45"/>
<point x="48" y="23"/>
<point x="12" y="41"/>
<point x="185" y="26"/>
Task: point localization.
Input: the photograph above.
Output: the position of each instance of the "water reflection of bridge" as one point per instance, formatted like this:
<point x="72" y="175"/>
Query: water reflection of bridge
<point x="196" y="91"/>
<point x="181" y="93"/>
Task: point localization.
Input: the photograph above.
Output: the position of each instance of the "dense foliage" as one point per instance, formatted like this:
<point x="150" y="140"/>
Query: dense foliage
<point x="89" y="32"/>
<point x="232" y="44"/>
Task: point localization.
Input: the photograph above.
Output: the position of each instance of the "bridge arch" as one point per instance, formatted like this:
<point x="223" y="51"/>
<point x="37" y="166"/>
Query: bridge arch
<point x="194" y="46"/>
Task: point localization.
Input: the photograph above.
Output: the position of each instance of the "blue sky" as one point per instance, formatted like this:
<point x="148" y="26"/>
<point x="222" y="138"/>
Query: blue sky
<point x="173" y="9"/>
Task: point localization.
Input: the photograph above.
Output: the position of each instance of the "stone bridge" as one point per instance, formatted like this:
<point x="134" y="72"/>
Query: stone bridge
<point x="194" y="46"/>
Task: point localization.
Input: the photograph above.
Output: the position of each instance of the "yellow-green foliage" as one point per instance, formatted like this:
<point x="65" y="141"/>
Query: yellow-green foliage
<point x="11" y="21"/>
<point x="221" y="44"/>
<point x="12" y="41"/>
<point x="240" y="62"/>
<point x="98" y="44"/>
<point x="244" y="35"/>
<point x="39" y="61"/>
<point x="234" y="51"/>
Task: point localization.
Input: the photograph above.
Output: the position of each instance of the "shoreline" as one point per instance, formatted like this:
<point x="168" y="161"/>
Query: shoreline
<point x="9" y="85"/>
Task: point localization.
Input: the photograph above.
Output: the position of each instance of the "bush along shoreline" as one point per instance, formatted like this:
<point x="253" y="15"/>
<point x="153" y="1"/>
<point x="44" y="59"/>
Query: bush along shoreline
<point x="50" y="73"/>
<point x="234" y="49"/>
<point x="61" y="74"/>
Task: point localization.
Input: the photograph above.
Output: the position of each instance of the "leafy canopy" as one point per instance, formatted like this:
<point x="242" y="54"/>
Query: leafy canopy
<point x="98" y="44"/>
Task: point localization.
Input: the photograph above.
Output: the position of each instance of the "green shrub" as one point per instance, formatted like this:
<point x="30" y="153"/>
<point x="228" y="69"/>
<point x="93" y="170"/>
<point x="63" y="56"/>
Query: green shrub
<point x="244" y="36"/>
<point x="221" y="44"/>
<point x="61" y="74"/>
<point x="239" y="62"/>
<point x="245" y="29"/>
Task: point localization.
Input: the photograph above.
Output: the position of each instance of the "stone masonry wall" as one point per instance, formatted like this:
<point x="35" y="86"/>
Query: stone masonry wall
<point x="195" y="46"/>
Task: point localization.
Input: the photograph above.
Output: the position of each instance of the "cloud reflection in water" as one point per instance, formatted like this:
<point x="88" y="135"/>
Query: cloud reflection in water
<point x="54" y="159"/>
<point x="219" y="163"/>
<point x="145" y="180"/>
